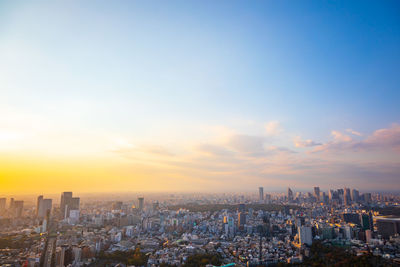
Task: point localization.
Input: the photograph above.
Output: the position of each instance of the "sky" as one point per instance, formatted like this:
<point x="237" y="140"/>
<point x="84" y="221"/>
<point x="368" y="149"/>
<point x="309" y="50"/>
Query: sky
<point x="199" y="96"/>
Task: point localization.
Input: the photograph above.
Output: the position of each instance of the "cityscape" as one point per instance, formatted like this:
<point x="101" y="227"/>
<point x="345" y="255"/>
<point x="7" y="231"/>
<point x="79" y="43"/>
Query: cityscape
<point x="254" y="229"/>
<point x="199" y="133"/>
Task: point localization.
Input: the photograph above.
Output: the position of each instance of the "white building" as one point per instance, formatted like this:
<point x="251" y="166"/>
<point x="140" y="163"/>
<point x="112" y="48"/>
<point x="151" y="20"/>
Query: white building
<point x="305" y="235"/>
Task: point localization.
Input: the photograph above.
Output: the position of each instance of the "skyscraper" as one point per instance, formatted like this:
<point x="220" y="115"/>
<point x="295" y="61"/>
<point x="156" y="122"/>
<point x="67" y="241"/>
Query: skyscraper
<point x="261" y="193"/>
<point x="241" y="219"/>
<point x="65" y="202"/>
<point x="3" y="201"/>
<point x="17" y="208"/>
<point x="141" y="203"/>
<point x="11" y="203"/>
<point x="355" y="195"/>
<point x="289" y="194"/>
<point x="305" y="235"/>
<point x="68" y="203"/>
<point x="316" y="193"/>
<point x="38" y="204"/>
<point x="44" y="206"/>
<point x="346" y="196"/>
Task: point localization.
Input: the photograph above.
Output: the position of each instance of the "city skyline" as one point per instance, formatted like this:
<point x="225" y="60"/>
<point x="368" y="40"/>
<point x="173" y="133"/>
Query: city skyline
<point x="188" y="97"/>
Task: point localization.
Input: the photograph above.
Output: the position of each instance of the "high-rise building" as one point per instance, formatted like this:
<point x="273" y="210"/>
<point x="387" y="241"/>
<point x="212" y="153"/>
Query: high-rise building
<point x="261" y="194"/>
<point x="18" y="207"/>
<point x="355" y="195"/>
<point x="241" y="207"/>
<point x="74" y="205"/>
<point x="305" y="235"/>
<point x="3" y="202"/>
<point x="65" y="202"/>
<point x="290" y="194"/>
<point x="68" y="203"/>
<point x="346" y="196"/>
<point x="367" y="221"/>
<point x="351" y="218"/>
<point x="141" y="203"/>
<point x="241" y="219"/>
<point x="156" y="205"/>
<point x="45" y="207"/>
<point x="11" y="203"/>
<point x="38" y="204"/>
<point x="367" y="197"/>
<point x="388" y="227"/>
<point x="316" y="193"/>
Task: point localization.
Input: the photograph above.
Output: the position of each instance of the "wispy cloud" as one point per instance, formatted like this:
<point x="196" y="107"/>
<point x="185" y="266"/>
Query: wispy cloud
<point x="273" y="128"/>
<point x="340" y="137"/>
<point x="386" y="139"/>
<point x="298" y="142"/>
<point x="353" y="132"/>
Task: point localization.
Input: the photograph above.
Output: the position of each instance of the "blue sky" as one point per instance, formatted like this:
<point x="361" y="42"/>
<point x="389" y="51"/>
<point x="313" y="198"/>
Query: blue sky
<point x="164" y="72"/>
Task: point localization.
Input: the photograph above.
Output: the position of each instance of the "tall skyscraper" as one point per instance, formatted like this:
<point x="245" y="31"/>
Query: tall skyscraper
<point x="347" y="196"/>
<point x="261" y="194"/>
<point x="241" y="219"/>
<point x="317" y="193"/>
<point x="68" y="203"/>
<point x="367" y="197"/>
<point x="289" y="194"/>
<point x="355" y="195"/>
<point x="38" y="204"/>
<point x="65" y="202"/>
<point x="3" y="201"/>
<point x="44" y="206"/>
<point x="11" y="203"/>
<point x="141" y="203"/>
<point x="17" y="209"/>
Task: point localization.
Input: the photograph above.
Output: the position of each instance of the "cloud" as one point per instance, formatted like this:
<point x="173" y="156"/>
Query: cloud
<point x="353" y="132"/>
<point x="385" y="140"/>
<point x="247" y="144"/>
<point x="298" y="142"/>
<point x="340" y="137"/>
<point x="240" y="160"/>
<point x="273" y="128"/>
<point x="213" y="150"/>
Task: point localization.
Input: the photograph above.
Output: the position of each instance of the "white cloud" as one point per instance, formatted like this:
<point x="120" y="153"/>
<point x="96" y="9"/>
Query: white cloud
<point x="353" y="132"/>
<point x="340" y="137"/>
<point x="298" y="142"/>
<point x="273" y="128"/>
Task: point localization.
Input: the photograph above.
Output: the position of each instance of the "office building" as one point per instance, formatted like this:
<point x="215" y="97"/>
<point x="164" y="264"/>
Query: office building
<point x="43" y="206"/>
<point x="347" y="197"/>
<point x="388" y="227"/>
<point x="3" y="202"/>
<point x="367" y="221"/>
<point x="11" y="203"/>
<point x="261" y="194"/>
<point x="367" y="197"/>
<point x="305" y="235"/>
<point x="290" y="194"/>
<point x="38" y="203"/>
<point x="317" y="193"/>
<point x="351" y="218"/>
<point x="46" y="207"/>
<point x="141" y="203"/>
<point x="68" y="203"/>
<point x="355" y="195"/>
<point x="241" y="219"/>
<point x="17" y="209"/>
<point x="65" y="202"/>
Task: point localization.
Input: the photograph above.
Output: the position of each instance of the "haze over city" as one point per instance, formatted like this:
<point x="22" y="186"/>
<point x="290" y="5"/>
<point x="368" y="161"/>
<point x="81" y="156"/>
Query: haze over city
<point x="198" y="96"/>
